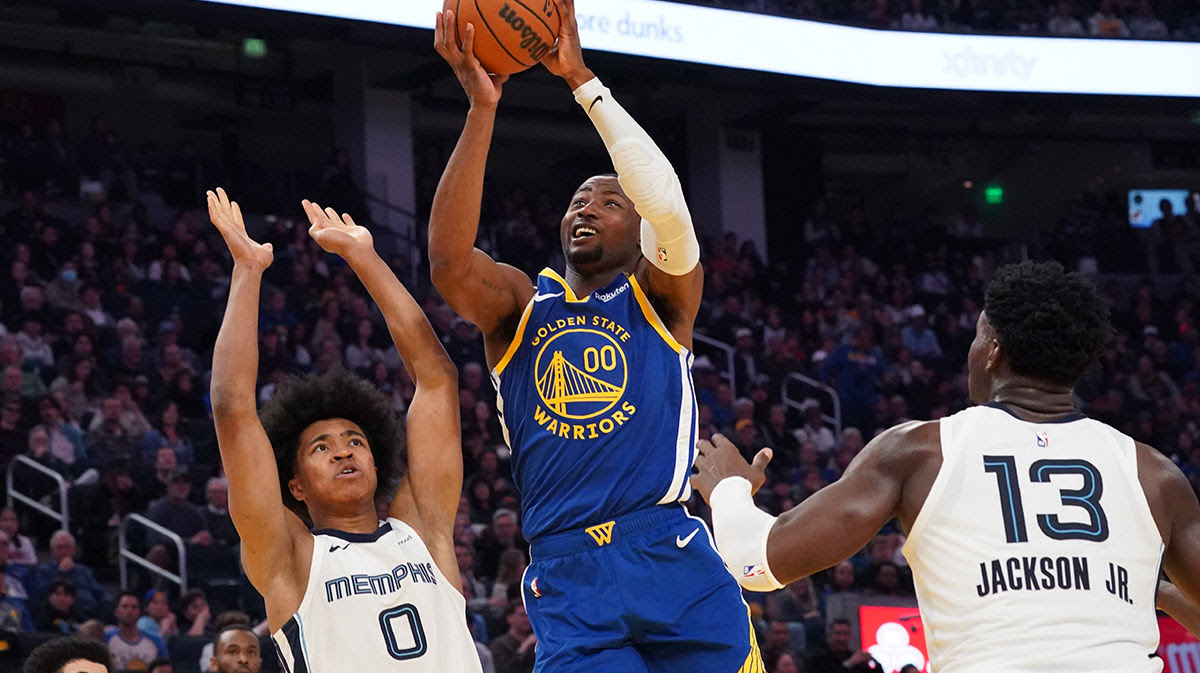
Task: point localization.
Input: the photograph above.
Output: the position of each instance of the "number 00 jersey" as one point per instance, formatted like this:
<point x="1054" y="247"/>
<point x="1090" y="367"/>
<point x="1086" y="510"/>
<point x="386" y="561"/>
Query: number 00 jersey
<point x="1036" y="550"/>
<point x="596" y="402"/>
<point x="376" y="602"/>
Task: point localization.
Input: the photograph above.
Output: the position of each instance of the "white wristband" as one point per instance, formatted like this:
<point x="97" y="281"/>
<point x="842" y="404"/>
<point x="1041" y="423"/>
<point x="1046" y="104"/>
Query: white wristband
<point x="741" y="532"/>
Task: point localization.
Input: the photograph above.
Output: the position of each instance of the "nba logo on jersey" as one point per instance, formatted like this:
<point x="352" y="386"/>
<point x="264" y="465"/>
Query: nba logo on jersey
<point x="753" y="571"/>
<point x="1043" y="440"/>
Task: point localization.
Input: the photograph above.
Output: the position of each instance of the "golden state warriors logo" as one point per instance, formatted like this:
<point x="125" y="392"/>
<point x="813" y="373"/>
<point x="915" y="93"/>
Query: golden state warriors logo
<point x="581" y="374"/>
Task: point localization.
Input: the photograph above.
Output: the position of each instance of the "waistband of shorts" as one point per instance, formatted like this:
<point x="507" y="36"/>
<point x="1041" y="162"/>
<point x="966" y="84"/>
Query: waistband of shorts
<point x="605" y="533"/>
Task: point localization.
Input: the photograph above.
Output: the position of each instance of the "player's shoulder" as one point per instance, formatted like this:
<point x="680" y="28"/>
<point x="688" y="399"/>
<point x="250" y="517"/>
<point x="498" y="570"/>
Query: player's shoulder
<point x="907" y="444"/>
<point x="1157" y="472"/>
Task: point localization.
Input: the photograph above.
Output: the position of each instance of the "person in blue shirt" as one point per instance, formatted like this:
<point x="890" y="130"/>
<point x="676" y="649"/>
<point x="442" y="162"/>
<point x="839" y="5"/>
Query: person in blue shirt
<point x="89" y="596"/>
<point x="131" y="648"/>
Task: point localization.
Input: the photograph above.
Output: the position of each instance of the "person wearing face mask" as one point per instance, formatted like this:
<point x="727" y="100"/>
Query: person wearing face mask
<point x="63" y="292"/>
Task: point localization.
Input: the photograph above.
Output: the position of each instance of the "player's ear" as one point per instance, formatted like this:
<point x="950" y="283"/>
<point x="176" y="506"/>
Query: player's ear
<point x="995" y="357"/>
<point x="296" y="488"/>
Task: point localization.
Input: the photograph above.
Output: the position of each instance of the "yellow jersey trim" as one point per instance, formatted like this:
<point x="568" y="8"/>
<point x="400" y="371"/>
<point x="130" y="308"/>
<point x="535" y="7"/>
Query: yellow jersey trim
<point x="516" y="340"/>
<point x="652" y="316"/>
<point x="570" y="294"/>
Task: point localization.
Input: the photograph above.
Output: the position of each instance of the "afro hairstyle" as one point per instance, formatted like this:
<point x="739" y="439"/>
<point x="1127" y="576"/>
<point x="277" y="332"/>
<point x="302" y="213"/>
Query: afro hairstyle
<point x="1052" y="325"/>
<point x="50" y="657"/>
<point x="301" y="401"/>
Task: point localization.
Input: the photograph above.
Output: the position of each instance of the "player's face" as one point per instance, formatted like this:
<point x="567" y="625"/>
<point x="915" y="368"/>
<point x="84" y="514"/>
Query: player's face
<point x="334" y="466"/>
<point x="979" y="380"/>
<point x="237" y="652"/>
<point x="601" y="228"/>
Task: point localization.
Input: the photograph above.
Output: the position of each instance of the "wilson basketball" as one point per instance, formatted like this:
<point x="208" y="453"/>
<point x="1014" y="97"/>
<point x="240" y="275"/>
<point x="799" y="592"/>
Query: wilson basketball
<point x="510" y="35"/>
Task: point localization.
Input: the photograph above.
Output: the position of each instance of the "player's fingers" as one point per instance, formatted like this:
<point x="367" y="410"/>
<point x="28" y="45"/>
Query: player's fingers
<point x="212" y="206"/>
<point x="762" y="459"/>
<point x="237" y="214"/>
<point x="719" y="441"/>
<point x="348" y="220"/>
<point x="499" y="80"/>
<point x="703" y="447"/>
<point x="332" y="215"/>
<point x="222" y="197"/>
<point x="468" y="45"/>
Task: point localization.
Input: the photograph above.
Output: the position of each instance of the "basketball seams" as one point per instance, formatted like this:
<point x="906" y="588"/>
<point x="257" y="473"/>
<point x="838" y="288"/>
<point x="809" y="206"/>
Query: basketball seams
<point x="496" y="38"/>
<point x="537" y="15"/>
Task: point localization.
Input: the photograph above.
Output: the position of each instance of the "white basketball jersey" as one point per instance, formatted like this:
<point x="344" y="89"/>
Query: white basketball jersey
<point x="1036" y="550"/>
<point x="377" y="602"/>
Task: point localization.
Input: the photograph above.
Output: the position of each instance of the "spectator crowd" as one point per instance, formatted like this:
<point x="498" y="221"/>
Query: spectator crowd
<point x="1140" y="19"/>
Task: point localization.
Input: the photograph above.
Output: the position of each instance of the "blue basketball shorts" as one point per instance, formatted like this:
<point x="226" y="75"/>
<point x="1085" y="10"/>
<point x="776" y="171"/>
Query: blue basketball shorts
<point x="645" y="593"/>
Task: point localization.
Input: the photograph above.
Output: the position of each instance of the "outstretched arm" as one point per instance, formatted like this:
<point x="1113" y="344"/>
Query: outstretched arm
<point x="1177" y="513"/>
<point x="476" y="287"/>
<point x="435" y="470"/>
<point x="270" y="534"/>
<point x="671" y="268"/>
<point x="766" y="553"/>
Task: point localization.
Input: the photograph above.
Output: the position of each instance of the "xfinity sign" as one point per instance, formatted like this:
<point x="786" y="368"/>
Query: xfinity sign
<point x="726" y="38"/>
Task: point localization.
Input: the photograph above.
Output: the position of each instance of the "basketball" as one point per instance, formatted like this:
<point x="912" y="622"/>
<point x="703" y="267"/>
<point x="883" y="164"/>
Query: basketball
<point x="510" y="35"/>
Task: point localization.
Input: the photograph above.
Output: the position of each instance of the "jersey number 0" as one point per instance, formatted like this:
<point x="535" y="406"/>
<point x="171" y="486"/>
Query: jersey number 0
<point x="411" y="619"/>
<point x="1043" y="472"/>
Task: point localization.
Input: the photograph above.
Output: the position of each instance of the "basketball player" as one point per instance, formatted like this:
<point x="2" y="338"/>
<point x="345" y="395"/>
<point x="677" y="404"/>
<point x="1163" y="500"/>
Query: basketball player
<point x="1035" y="534"/>
<point x="593" y="373"/>
<point x="356" y="594"/>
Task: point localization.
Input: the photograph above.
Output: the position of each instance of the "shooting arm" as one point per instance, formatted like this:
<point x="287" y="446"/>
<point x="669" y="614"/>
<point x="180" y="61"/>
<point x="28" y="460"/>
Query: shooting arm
<point x="668" y="238"/>
<point x="1181" y="560"/>
<point x="475" y="286"/>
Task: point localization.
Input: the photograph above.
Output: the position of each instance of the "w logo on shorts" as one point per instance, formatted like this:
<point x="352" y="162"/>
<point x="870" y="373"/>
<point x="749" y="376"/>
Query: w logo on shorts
<point x="602" y="533"/>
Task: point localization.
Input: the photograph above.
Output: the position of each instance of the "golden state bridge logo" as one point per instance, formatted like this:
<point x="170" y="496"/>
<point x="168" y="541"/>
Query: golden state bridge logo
<point x="581" y="375"/>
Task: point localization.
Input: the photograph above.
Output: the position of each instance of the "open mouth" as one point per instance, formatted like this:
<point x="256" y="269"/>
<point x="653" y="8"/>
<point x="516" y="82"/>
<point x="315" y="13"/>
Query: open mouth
<point x="582" y="231"/>
<point x="347" y="472"/>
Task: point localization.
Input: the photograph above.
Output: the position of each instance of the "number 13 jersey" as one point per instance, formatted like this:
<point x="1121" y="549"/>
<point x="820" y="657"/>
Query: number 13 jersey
<point x="1036" y="549"/>
<point x="376" y="602"/>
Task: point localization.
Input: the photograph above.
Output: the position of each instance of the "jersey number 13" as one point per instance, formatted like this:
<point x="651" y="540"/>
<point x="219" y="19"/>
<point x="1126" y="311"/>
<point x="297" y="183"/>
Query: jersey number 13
<point x="1086" y="498"/>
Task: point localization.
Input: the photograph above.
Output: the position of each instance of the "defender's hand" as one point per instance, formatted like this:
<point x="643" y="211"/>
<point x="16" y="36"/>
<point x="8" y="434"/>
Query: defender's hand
<point x="481" y="88"/>
<point x="341" y="236"/>
<point x="227" y="217"/>
<point x="566" y="58"/>
<point x="719" y="459"/>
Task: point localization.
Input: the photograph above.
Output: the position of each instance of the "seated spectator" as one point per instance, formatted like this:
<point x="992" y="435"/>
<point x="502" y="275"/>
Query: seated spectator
<point x="108" y="436"/>
<point x="170" y="430"/>
<point x="514" y="651"/>
<point x="66" y="439"/>
<point x="175" y="513"/>
<point x="838" y="654"/>
<point x="101" y="507"/>
<point x="503" y="534"/>
<point x="16" y="576"/>
<point x="814" y="430"/>
<point x="1106" y="23"/>
<point x="84" y="655"/>
<point x="194" y="616"/>
<point x="131" y="649"/>
<point x="57" y="613"/>
<point x="777" y="641"/>
<point x="21" y="551"/>
<point x="471" y="583"/>
<point x="1145" y="25"/>
<point x="508" y="578"/>
<point x="89" y="596"/>
<point x="785" y="662"/>
<point x="798" y="603"/>
<point x="916" y="18"/>
<point x="216" y="513"/>
<point x="158" y="620"/>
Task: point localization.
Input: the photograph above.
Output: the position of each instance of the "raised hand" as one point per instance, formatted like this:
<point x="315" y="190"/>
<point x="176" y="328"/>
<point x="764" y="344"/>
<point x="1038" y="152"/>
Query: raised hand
<point x="227" y="217"/>
<point x="341" y="236"/>
<point x="566" y="58"/>
<point x="481" y="88"/>
<point x="719" y="459"/>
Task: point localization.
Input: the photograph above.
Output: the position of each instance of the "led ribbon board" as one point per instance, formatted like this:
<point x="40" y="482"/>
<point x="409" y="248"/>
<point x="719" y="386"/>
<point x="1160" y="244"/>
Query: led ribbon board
<point x="726" y="38"/>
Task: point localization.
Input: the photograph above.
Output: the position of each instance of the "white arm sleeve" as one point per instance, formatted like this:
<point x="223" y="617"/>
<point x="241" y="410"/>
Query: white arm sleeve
<point x="741" y="531"/>
<point x="668" y="238"/>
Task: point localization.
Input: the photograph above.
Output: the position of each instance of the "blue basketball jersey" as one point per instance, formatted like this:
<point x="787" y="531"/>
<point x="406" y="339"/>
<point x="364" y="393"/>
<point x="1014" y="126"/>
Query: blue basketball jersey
<point x="596" y="402"/>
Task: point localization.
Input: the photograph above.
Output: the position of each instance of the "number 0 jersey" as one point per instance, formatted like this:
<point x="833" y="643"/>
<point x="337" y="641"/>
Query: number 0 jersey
<point x="377" y="602"/>
<point x="596" y="402"/>
<point x="1036" y="550"/>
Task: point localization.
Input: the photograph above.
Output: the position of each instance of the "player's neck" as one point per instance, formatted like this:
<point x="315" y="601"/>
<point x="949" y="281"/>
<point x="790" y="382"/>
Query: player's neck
<point x="1034" y="400"/>
<point x="584" y="284"/>
<point x="365" y="522"/>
